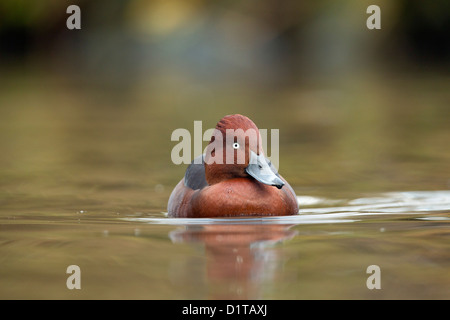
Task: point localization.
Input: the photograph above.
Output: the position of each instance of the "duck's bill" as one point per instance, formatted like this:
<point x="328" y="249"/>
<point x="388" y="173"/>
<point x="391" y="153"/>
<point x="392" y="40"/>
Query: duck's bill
<point x="260" y="169"/>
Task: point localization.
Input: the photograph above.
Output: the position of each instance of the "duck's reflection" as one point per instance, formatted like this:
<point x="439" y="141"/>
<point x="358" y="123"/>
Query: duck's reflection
<point x="241" y="259"/>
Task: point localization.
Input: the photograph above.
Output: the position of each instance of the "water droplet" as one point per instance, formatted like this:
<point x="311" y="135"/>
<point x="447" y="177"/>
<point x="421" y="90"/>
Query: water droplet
<point x="159" y="188"/>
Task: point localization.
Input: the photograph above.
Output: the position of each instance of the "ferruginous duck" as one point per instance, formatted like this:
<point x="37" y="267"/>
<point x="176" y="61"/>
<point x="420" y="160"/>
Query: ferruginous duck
<point x="233" y="178"/>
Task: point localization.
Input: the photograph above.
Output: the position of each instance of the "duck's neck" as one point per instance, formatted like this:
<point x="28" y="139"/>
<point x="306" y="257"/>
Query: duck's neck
<point x="216" y="173"/>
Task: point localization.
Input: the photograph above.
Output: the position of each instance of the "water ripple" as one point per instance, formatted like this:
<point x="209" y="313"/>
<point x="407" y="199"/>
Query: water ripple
<point x="391" y="202"/>
<point x="320" y="212"/>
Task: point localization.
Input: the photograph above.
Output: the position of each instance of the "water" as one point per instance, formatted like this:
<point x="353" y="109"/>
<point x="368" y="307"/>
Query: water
<point x="322" y="253"/>
<point x="85" y="175"/>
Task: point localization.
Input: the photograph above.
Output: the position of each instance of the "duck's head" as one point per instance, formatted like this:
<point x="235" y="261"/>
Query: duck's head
<point x="235" y="151"/>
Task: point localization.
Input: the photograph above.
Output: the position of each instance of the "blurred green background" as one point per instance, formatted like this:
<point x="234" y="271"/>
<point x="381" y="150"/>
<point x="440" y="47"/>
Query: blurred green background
<point x="86" y="115"/>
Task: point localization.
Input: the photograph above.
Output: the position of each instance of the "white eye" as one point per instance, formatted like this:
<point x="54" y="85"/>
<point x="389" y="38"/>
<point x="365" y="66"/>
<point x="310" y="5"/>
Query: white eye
<point x="235" y="145"/>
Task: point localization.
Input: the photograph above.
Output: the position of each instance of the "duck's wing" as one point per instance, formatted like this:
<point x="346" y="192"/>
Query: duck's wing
<point x="194" y="177"/>
<point x="274" y="170"/>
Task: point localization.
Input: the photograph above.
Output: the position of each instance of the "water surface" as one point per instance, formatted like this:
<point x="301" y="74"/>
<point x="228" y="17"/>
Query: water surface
<point x="85" y="175"/>
<point x="322" y="253"/>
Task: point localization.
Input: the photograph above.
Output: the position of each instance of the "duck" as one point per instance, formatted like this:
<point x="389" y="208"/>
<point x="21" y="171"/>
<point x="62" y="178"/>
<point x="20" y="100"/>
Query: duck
<point x="233" y="178"/>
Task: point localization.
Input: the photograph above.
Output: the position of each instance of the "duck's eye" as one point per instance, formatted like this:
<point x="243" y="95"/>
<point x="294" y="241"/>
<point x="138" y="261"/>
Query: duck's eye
<point x="235" y="145"/>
